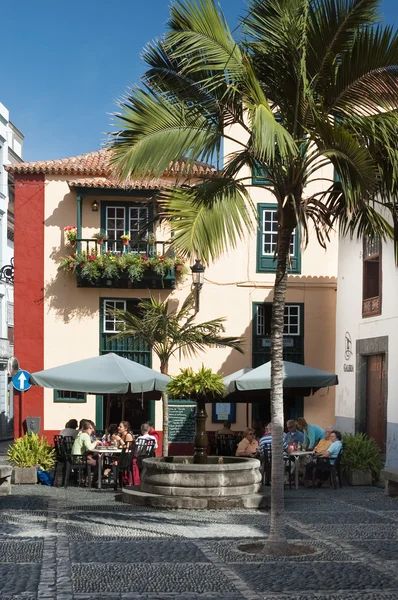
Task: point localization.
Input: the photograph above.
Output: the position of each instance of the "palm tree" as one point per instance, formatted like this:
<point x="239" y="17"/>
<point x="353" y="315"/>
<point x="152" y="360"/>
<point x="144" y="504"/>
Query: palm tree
<point x="310" y="82"/>
<point x="169" y="331"/>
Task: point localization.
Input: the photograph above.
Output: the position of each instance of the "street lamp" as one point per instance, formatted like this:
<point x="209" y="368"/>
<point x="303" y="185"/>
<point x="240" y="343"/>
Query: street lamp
<point x="198" y="277"/>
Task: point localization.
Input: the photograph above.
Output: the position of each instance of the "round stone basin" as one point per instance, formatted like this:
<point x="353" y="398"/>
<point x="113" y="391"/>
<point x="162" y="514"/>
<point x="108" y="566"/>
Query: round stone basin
<point x="182" y="477"/>
<point x="179" y="483"/>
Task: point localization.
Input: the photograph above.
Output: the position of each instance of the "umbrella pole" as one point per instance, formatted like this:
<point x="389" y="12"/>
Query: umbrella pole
<point x="123" y="405"/>
<point x="108" y="411"/>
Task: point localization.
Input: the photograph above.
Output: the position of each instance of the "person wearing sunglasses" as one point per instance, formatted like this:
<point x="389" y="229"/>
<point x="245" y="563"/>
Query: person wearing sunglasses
<point x="248" y="447"/>
<point x="293" y="435"/>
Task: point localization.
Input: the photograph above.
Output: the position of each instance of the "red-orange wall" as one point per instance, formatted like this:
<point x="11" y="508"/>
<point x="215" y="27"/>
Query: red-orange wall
<point x="29" y="290"/>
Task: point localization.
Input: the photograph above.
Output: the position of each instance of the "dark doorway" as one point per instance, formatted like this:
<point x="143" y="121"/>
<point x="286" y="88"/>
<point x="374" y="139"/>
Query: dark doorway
<point x="131" y="409"/>
<point x="376" y="424"/>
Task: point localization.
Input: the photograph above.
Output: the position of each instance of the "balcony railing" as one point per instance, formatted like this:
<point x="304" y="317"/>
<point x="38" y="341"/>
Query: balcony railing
<point x="116" y="248"/>
<point x="371" y="307"/>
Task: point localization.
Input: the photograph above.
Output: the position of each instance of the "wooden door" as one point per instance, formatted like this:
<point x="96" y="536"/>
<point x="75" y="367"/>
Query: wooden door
<point x="376" y="422"/>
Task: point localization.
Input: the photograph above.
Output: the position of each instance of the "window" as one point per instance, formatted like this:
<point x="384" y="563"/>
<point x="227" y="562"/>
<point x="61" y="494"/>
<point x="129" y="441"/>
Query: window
<point x="128" y="347"/>
<point x="130" y="219"/>
<point x="372" y="271"/>
<point x="266" y="242"/>
<point x="10" y="314"/>
<point x="66" y="396"/>
<point x="292" y="321"/>
<point x="110" y="321"/>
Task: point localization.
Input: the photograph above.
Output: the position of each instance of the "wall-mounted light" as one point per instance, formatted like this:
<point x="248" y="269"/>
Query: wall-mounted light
<point x="94" y="206"/>
<point x="198" y="277"/>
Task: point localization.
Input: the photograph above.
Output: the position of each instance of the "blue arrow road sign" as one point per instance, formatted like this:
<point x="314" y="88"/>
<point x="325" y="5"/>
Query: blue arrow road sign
<point x="21" y="381"/>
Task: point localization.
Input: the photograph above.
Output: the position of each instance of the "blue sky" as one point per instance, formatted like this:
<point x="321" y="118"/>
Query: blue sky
<point x="65" y="64"/>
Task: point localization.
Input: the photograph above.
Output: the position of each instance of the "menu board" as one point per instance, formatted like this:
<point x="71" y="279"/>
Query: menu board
<point x="182" y="422"/>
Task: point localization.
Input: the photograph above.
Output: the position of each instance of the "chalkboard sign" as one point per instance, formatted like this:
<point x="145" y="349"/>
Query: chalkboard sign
<point x="182" y="422"/>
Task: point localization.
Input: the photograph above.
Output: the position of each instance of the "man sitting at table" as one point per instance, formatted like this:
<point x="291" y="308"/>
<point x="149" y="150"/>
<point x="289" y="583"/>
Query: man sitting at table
<point x="248" y="446"/>
<point x="324" y="444"/>
<point x="293" y="435"/>
<point x="225" y="429"/>
<point x="145" y="435"/>
<point x="312" y="433"/>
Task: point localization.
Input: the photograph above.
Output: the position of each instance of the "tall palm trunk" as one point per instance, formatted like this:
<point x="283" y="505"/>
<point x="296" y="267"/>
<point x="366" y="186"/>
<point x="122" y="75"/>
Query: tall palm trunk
<point x="164" y="367"/>
<point x="277" y="537"/>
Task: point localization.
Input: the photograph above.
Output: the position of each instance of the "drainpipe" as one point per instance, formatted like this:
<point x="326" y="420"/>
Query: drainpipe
<point x="79" y="222"/>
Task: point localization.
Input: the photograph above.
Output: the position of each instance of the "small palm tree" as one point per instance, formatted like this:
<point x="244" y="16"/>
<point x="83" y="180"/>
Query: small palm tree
<point x="201" y="386"/>
<point x="169" y="331"/>
<point x="314" y="82"/>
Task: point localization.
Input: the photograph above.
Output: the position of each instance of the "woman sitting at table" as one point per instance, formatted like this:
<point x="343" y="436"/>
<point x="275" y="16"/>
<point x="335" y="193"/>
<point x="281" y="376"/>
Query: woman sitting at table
<point x="327" y="457"/>
<point x="124" y="435"/>
<point x="249" y="445"/>
<point x="312" y="433"/>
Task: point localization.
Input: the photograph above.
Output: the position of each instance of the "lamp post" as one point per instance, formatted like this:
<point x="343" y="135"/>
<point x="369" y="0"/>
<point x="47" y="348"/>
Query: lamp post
<point x="198" y="277"/>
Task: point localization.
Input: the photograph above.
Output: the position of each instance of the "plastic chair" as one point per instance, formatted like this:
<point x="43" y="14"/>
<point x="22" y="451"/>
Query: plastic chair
<point x="76" y="463"/>
<point x="267" y="465"/>
<point x="226" y="444"/>
<point x="144" y="448"/>
<point x="123" y="466"/>
<point x="324" y="466"/>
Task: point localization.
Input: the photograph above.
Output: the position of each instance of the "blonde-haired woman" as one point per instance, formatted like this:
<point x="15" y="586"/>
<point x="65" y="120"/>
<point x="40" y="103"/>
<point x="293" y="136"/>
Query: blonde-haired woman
<point x="312" y="433"/>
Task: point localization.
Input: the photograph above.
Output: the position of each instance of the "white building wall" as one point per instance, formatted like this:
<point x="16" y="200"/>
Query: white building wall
<point x="349" y="320"/>
<point x="11" y="143"/>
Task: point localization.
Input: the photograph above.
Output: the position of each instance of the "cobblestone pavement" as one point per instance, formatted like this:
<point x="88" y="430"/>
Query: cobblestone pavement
<point x="81" y="544"/>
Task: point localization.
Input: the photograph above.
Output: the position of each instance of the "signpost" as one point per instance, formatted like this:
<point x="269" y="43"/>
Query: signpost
<point x="21" y="381"/>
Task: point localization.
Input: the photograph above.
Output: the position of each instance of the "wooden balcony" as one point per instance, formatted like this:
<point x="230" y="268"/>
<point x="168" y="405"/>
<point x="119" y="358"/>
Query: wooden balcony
<point x="118" y="253"/>
<point x="371" y="307"/>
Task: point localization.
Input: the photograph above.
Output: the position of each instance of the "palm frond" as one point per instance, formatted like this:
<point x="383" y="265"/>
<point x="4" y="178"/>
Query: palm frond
<point x="156" y="131"/>
<point x="208" y="219"/>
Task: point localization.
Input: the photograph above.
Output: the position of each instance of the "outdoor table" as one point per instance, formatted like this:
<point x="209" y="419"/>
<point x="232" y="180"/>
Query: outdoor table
<point x="101" y="450"/>
<point x="297" y="455"/>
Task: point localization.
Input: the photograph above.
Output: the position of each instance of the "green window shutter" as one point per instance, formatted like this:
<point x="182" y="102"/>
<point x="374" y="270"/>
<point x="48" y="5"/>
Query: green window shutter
<point x="69" y="397"/>
<point x="259" y="176"/>
<point x="266" y="242"/>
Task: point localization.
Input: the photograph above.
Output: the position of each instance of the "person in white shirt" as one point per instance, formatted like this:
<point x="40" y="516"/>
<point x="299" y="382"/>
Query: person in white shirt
<point x="70" y="429"/>
<point x="145" y="435"/>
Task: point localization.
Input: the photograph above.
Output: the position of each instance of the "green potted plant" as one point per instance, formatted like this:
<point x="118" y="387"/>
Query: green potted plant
<point x="100" y="237"/>
<point x="27" y="454"/>
<point x="361" y="459"/>
<point x="202" y="387"/>
<point x="70" y="234"/>
<point x="125" y="239"/>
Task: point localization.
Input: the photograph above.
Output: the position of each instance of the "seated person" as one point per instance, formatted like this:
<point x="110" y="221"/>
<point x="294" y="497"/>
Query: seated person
<point x="266" y="439"/>
<point x="258" y="428"/>
<point x="225" y="429"/>
<point x="112" y="433"/>
<point x="152" y="431"/>
<point x="83" y="444"/>
<point x="293" y="435"/>
<point x="248" y="446"/>
<point x="145" y="435"/>
<point x="124" y="435"/>
<point x="328" y="457"/>
<point x="70" y="429"/>
<point x="312" y="433"/>
<point x="324" y="444"/>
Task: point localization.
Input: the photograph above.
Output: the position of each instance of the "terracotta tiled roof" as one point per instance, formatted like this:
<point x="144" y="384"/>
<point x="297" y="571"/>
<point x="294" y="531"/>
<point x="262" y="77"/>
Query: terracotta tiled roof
<point x="113" y="184"/>
<point x="94" y="164"/>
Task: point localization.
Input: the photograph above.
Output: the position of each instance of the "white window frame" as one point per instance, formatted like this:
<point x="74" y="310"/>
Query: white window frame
<point x="112" y="304"/>
<point x="107" y="217"/>
<point x="273" y="233"/>
<point x="260" y="321"/>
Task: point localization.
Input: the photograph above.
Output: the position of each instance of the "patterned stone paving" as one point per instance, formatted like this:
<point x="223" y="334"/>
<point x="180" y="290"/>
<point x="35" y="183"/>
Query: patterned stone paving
<point x="80" y="544"/>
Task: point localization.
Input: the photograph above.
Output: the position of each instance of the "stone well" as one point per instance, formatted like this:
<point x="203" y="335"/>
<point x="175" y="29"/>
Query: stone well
<point x="179" y="483"/>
